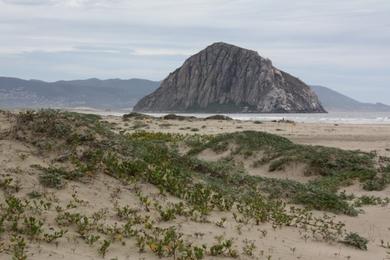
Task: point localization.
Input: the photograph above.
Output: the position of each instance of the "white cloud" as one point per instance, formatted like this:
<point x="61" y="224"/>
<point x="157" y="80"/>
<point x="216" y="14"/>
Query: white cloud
<point x="150" y="38"/>
<point x="70" y="3"/>
<point x="28" y="2"/>
<point x="163" y="52"/>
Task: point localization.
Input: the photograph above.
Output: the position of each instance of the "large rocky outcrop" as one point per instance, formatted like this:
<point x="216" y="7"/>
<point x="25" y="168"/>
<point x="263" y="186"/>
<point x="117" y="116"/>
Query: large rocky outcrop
<point x="227" y="78"/>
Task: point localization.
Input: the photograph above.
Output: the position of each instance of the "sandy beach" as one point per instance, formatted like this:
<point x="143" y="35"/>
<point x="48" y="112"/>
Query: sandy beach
<point x="18" y="160"/>
<point x="365" y="137"/>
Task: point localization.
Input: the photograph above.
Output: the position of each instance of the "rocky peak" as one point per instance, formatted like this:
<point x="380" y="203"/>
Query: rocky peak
<point x="227" y="78"/>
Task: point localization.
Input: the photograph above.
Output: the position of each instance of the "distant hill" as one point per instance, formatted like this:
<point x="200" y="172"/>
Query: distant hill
<point x="337" y="102"/>
<point x="105" y="94"/>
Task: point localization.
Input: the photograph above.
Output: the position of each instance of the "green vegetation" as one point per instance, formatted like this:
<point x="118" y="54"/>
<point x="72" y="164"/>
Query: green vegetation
<point x="334" y="168"/>
<point x="53" y="177"/>
<point x="371" y="200"/>
<point x="219" y="117"/>
<point x="135" y="115"/>
<point x="21" y="219"/>
<point x="249" y="247"/>
<point x="87" y="147"/>
<point x="177" y="117"/>
<point x="355" y="240"/>
<point x="223" y="248"/>
<point x="323" y="161"/>
<point x="18" y="248"/>
<point x="378" y="183"/>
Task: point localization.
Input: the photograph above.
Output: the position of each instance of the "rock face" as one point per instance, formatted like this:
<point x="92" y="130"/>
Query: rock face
<point x="227" y="78"/>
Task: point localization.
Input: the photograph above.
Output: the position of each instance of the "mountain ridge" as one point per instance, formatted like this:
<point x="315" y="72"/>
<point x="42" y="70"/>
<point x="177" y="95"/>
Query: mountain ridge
<point x="13" y="95"/>
<point x="106" y="94"/>
<point x="337" y="102"/>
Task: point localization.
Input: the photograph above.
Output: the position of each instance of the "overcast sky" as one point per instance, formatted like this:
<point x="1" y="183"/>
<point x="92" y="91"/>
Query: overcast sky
<point x="342" y="44"/>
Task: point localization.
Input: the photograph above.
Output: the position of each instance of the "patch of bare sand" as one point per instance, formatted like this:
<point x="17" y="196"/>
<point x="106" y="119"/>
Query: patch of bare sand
<point x="285" y="243"/>
<point x="358" y="190"/>
<point x="212" y="156"/>
<point x="373" y="224"/>
<point x="293" y="171"/>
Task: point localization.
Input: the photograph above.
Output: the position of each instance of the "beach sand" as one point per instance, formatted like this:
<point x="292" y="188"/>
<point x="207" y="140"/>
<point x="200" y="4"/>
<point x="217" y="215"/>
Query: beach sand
<point x="363" y="137"/>
<point x="101" y="192"/>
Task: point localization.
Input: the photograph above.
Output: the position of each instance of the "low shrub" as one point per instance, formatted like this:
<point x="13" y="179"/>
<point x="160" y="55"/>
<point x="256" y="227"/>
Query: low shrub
<point x="219" y="117"/>
<point x="376" y="184"/>
<point x="52" y="179"/>
<point x="137" y="116"/>
<point x="355" y="240"/>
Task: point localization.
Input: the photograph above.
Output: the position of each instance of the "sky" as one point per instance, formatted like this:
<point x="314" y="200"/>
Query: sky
<point x="344" y="45"/>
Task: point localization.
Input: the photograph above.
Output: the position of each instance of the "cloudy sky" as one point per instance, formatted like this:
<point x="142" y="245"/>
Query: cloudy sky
<point x="344" y="44"/>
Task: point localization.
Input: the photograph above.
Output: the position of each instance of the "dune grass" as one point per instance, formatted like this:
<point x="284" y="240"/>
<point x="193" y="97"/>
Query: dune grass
<point x="92" y="148"/>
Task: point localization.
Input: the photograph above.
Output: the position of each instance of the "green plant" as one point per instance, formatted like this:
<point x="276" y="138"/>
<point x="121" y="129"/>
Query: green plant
<point x="355" y="240"/>
<point x="104" y="248"/>
<point x="165" y="242"/>
<point x="18" y="248"/>
<point x="91" y="239"/>
<point x="249" y="247"/>
<point x="32" y="226"/>
<point x="167" y="214"/>
<point x="125" y="212"/>
<point x="137" y="116"/>
<point x="223" y="248"/>
<point x="54" y="235"/>
<point x="52" y="179"/>
<point x="370" y="200"/>
<point x="15" y="206"/>
<point x="375" y="184"/>
<point x="141" y="242"/>
<point x="9" y="185"/>
<point x="385" y="245"/>
<point x="34" y="195"/>
<point x="221" y="222"/>
<point x="199" y="252"/>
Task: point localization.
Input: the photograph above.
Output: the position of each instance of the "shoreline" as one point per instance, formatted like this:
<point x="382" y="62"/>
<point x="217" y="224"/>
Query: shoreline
<point x="380" y="118"/>
<point x="364" y="137"/>
<point x="332" y="117"/>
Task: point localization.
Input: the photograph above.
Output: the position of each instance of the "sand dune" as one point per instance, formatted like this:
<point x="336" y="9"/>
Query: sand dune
<point x="103" y="194"/>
